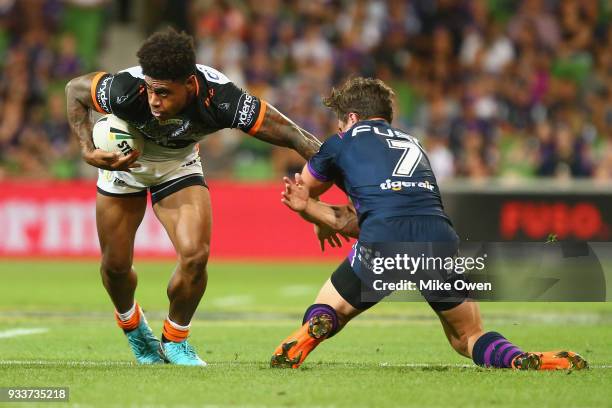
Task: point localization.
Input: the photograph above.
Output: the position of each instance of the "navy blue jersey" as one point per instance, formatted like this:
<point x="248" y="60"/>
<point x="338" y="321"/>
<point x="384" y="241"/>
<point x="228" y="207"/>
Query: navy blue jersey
<point x="385" y="171"/>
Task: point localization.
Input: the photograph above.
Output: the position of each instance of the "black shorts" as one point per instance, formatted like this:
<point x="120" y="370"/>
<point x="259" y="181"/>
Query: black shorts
<point x="163" y="190"/>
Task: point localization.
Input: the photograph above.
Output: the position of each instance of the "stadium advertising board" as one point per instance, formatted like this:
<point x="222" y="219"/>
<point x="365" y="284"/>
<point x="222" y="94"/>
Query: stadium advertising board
<point x="58" y="219"/>
<point x="530" y="216"/>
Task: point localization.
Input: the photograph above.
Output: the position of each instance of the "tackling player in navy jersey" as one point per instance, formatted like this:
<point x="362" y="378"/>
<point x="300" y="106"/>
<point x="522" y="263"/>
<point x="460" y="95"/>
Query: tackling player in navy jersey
<point x="174" y="103"/>
<point x="395" y="198"/>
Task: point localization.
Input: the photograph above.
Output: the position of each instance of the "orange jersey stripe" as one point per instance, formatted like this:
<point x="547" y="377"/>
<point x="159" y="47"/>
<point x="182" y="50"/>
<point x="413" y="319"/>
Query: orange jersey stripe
<point x="260" y="118"/>
<point x="94" y="84"/>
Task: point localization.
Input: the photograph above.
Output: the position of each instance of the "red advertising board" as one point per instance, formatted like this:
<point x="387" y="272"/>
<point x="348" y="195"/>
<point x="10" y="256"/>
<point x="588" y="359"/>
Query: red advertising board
<point x="48" y="219"/>
<point x="531" y="215"/>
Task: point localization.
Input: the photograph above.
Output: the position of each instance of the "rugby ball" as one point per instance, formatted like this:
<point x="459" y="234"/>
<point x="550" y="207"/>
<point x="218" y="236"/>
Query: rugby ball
<point x="112" y="134"/>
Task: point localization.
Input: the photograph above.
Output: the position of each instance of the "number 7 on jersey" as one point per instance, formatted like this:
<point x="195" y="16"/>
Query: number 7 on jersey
<point x="411" y="156"/>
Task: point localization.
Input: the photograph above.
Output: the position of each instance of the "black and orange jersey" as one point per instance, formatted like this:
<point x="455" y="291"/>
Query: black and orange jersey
<point x="219" y="104"/>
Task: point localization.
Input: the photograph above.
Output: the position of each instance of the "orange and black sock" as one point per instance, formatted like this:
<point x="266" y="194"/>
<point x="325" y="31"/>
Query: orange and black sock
<point x="174" y="332"/>
<point x="129" y="320"/>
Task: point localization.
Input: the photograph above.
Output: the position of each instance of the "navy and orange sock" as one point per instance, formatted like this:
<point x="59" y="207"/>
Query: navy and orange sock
<point x="494" y="350"/>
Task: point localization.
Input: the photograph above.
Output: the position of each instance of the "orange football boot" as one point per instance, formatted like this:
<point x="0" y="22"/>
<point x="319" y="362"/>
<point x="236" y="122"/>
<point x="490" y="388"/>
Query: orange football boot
<point x="292" y="352"/>
<point x="549" y="360"/>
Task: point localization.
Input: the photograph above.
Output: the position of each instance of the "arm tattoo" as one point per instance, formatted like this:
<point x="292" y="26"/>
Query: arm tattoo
<point x="79" y="106"/>
<point x="279" y="130"/>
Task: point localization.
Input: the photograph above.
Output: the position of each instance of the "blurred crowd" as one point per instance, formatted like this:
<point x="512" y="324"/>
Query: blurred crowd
<point x="43" y="44"/>
<point x="492" y="88"/>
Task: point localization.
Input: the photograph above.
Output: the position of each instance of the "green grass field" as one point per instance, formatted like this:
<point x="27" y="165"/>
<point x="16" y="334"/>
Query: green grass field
<point x="395" y="355"/>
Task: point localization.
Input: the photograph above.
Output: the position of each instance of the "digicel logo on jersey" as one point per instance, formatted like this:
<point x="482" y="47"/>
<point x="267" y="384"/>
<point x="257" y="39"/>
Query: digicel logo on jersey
<point x="536" y="220"/>
<point x="398" y="185"/>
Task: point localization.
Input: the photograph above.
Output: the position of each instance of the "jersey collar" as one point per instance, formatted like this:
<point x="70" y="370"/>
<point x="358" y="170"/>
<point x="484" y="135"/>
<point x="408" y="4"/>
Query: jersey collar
<point x="361" y="122"/>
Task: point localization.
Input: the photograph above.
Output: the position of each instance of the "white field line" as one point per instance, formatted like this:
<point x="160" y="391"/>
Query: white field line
<point x="67" y="363"/>
<point x="425" y="365"/>
<point x="298" y="290"/>
<point x="6" y="334"/>
<point x="86" y="363"/>
<point x="251" y="317"/>
<point x="229" y="301"/>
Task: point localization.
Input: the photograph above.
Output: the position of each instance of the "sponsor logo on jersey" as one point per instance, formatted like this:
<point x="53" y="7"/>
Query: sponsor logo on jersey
<point x="224" y="106"/>
<point x="121" y="99"/>
<point x="190" y="163"/>
<point x="102" y="97"/>
<point x="399" y="185"/>
<point x="212" y="75"/>
<point x="384" y="131"/>
<point x="181" y="130"/>
<point x="174" y="133"/>
<point x="246" y="113"/>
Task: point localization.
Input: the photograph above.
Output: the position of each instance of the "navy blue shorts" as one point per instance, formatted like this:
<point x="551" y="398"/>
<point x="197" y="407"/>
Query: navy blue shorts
<point x="416" y="228"/>
<point x="429" y="236"/>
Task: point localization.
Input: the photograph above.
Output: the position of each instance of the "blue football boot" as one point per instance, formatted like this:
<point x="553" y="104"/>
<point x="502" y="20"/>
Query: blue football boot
<point x="144" y="344"/>
<point x="180" y="353"/>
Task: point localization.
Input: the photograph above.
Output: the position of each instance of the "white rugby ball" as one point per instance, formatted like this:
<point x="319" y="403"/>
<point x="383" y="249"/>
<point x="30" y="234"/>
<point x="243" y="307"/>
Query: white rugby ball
<point x="112" y="134"/>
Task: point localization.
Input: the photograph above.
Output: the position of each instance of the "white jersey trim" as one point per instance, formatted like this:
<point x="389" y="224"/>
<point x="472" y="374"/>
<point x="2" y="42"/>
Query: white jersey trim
<point x="213" y="75"/>
<point x="136" y="71"/>
<point x="210" y="73"/>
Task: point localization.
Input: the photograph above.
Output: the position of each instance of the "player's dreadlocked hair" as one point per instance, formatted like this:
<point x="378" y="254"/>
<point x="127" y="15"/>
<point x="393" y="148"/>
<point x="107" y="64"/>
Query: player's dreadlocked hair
<point x="167" y="55"/>
<point x="367" y="97"/>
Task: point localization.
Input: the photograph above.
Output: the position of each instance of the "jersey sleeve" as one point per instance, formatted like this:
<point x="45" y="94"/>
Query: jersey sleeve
<point x="235" y="108"/>
<point x="118" y="94"/>
<point x="230" y="106"/>
<point x="100" y="91"/>
<point x="323" y="165"/>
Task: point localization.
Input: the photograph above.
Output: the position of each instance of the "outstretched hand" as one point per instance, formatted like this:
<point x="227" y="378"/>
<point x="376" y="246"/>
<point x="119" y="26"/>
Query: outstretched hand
<point x="325" y="233"/>
<point x="297" y="197"/>
<point x="296" y="194"/>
